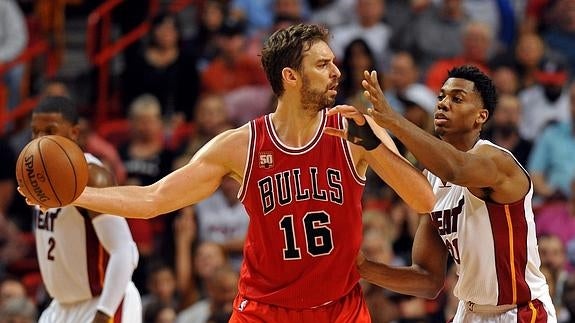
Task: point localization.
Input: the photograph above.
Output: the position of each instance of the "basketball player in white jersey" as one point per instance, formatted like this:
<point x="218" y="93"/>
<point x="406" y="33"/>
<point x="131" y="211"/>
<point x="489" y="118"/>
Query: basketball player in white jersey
<point x="482" y="216"/>
<point x="86" y="259"/>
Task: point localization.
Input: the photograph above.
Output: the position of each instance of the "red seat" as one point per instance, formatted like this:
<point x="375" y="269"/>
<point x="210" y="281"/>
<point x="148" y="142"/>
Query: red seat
<point x="116" y="131"/>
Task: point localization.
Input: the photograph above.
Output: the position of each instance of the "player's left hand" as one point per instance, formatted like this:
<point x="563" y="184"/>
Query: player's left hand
<point x="349" y="112"/>
<point x="101" y="318"/>
<point x="381" y="112"/>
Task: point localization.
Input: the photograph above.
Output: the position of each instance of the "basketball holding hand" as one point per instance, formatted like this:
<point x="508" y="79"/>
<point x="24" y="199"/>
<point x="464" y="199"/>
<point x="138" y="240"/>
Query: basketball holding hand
<point x="51" y="171"/>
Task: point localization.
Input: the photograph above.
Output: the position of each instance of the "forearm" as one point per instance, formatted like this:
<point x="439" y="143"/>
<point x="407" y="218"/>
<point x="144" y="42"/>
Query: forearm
<point x="406" y="180"/>
<point x="439" y="157"/>
<point x="405" y="280"/>
<point x="125" y="201"/>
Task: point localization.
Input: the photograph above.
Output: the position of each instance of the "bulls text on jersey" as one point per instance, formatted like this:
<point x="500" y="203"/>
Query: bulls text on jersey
<point x="285" y="187"/>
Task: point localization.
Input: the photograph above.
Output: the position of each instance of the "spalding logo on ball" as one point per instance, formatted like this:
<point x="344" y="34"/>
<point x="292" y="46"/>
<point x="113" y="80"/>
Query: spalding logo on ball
<point x="52" y="171"/>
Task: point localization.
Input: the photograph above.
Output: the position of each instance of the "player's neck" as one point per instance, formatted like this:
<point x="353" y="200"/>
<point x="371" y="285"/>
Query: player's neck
<point x="295" y="127"/>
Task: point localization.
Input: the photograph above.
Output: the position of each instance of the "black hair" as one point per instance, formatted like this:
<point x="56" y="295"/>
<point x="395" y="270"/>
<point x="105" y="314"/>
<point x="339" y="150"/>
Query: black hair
<point x="158" y="20"/>
<point x="59" y="104"/>
<point x="482" y="83"/>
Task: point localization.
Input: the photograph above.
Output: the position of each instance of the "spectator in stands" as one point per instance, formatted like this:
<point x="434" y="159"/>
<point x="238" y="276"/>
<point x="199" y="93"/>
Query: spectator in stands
<point x="476" y="41"/>
<point x="158" y="312"/>
<point x="15" y="305"/>
<point x="204" y="43"/>
<point x="504" y="129"/>
<point x="500" y="15"/>
<point x="403" y="77"/>
<point x="146" y="160"/>
<point x="13" y="41"/>
<point x="11" y="288"/>
<point x="221" y="289"/>
<point x="547" y="101"/>
<point x="525" y="58"/>
<point x="555" y="20"/>
<point x="194" y="262"/>
<point x="222" y="219"/>
<point x="357" y="57"/>
<point x="18" y="310"/>
<point x="164" y="70"/>
<point x="161" y="283"/>
<point x="232" y="68"/>
<point x="506" y="80"/>
<point x="551" y="161"/>
<point x="211" y="119"/>
<point x="554" y="260"/>
<point x="434" y="34"/>
<point x="369" y="27"/>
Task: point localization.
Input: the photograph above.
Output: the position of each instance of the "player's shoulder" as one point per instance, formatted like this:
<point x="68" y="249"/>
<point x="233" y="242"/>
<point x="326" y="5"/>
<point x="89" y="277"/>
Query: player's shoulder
<point x="236" y="137"/>
<point x="99" y="175"/>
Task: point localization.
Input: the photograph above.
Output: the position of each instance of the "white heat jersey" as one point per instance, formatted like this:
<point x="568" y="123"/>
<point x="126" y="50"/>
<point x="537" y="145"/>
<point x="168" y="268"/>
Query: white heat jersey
<point x="72" y="260"/>
<point x="493" y="245"/>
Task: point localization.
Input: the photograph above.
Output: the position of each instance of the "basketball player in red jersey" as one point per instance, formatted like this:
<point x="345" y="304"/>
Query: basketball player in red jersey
<point x="301" y="188"/>
<point x="482" y="216"/>
<point x="86" y="258"/>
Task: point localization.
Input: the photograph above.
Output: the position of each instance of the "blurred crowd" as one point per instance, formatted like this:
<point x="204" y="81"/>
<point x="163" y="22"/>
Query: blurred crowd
<point x="196" y="75"/>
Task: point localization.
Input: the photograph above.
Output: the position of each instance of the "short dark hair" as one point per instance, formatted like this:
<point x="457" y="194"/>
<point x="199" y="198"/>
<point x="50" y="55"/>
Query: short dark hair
<point x="482" y="83"/>
<point x="285" y="48"/>
<point x="59" y="104"/>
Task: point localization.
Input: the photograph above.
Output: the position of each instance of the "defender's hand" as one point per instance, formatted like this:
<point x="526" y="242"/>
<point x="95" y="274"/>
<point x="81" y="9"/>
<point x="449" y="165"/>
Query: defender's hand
<point x="381" y="111"/>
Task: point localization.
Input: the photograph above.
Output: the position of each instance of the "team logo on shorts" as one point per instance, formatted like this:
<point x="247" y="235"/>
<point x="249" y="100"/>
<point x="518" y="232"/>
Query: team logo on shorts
<point x="266" y="160"/>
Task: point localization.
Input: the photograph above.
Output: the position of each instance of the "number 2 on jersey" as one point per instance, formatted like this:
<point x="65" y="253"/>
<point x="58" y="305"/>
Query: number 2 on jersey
<point x="52" y="244"/>
<point x="318" y="235"/>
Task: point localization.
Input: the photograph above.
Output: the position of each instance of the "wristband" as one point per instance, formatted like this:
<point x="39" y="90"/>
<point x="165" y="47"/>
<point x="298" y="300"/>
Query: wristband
<point x="362" y="135"/>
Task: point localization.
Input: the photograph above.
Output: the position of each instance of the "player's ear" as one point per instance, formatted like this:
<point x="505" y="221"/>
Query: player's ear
<point x="290" y="76"/>
<point x="482" y="116"/>
<point x="74" y="133"/>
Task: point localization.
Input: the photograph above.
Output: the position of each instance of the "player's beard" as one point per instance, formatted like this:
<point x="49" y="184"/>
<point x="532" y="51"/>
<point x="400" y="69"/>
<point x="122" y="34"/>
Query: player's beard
<point x="314" y="100"/>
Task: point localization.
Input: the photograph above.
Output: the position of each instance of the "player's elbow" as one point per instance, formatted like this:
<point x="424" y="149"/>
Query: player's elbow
<point x="425" y="203"/>
<point x="433" y="290"/>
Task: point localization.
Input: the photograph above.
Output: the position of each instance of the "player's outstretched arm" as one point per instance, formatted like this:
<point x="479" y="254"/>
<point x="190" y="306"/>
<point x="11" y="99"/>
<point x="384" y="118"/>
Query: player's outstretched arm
<point x="481" y="167"/>
<point x="424" y="278"/>
<point x="406" y="180"/>
<point x="224" y="155"/>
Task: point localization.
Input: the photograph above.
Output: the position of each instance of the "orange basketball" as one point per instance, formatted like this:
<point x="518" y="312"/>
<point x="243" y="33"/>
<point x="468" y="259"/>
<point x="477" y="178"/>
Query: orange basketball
<point x="52" y="171"/>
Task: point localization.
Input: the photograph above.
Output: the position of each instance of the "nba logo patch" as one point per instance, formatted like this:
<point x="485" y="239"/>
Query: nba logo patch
<point x="266" y="160"/>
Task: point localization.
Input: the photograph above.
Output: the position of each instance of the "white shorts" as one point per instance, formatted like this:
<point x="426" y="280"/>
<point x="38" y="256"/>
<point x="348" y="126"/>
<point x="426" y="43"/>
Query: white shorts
<point x="520" y="315"/>
<point x="130" y="310"/>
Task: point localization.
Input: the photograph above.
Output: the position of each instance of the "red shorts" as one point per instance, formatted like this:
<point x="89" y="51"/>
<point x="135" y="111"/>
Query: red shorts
<point x="349" y="309"/>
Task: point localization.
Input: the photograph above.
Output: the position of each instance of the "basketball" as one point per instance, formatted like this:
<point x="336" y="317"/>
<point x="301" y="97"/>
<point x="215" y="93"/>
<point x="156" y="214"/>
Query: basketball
<point x="52" y="171"/>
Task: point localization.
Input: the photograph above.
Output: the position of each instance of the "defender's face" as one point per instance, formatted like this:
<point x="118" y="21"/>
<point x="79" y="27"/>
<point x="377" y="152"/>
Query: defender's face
<point x="44" y="124"/>
<point x="320" y="77"/>
<point x="458" y="108"/>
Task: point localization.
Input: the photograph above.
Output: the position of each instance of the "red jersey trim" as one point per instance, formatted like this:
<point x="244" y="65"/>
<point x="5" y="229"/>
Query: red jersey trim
<point x="96" y="257"/>
<point x="348" y="156"/>
<point x="509" y="229"/>
<point x="291" y="150"/>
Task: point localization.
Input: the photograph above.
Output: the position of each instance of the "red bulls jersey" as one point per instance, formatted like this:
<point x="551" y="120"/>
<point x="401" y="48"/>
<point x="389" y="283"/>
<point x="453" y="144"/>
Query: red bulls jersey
<point x="305" y="218"/>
